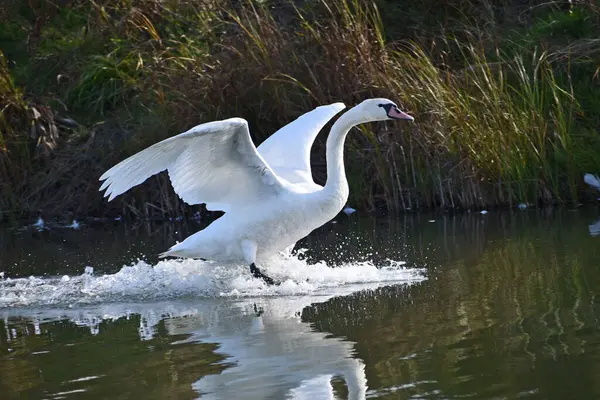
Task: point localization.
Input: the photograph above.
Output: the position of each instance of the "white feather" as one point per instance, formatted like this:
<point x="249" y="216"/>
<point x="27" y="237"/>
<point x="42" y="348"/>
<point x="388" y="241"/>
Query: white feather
<point x="287" y="151"/>
<point x="214" y="163"/>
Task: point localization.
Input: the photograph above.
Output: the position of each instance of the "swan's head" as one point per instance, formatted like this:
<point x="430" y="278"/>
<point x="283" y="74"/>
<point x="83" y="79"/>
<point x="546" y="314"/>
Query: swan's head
<point x="381" y="110"/>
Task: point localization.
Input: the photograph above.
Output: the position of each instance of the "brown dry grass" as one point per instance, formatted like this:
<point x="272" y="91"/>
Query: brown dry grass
<point x="492" y="128"/>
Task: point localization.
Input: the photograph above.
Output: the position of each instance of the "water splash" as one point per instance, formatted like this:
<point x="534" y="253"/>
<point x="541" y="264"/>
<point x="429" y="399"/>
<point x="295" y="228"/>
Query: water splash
<point x="188" y="278"/>
<point x="259" y="337"/>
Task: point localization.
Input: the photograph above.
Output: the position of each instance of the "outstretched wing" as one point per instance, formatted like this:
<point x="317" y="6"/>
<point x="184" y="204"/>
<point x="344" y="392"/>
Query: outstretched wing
<point x="214" y="163"/>
<point x="287" y="151"/>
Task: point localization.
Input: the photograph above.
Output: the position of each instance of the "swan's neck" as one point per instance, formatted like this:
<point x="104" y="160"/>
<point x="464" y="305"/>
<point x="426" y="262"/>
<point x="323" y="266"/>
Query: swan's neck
<point x="337" y="184"/>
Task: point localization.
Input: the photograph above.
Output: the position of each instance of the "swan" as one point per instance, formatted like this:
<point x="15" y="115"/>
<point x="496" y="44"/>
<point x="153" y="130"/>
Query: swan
<point x="268" y="195"/>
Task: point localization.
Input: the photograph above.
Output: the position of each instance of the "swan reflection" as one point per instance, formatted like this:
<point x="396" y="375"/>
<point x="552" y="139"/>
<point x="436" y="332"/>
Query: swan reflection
<point x="267" y="351"/>
<point x="594" y="228"/>
<point x="274" y="354"/>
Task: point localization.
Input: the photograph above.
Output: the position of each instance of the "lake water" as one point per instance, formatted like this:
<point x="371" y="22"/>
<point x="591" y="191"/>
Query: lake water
<point x="495" y="306"/>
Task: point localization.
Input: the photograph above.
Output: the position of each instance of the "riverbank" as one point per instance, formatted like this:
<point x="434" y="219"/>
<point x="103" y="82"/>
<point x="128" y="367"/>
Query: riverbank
<point x="504" y="96"/>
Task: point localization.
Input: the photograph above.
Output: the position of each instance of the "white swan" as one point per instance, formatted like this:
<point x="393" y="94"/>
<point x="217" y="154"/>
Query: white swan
<point x="268" y="195"/>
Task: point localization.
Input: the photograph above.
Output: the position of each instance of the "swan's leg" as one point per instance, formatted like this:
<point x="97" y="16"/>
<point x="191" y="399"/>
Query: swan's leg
<point x="249" y="249"/>
<point x="257" y="274"/>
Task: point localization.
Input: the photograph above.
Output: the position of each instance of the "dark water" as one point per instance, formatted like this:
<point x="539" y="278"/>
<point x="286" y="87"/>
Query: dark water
<point x="508" y="310"/>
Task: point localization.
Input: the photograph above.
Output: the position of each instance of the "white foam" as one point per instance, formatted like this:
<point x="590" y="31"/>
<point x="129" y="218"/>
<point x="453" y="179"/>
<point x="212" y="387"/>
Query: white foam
<point x="260" y="337"/>
<point x="195" y="279"/>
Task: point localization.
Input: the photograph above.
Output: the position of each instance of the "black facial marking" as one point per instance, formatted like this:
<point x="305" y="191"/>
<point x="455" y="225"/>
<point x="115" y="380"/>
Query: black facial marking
<point x="387" y="107"/>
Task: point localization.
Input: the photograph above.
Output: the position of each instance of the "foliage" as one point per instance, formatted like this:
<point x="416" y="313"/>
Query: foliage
<point x="503" y="97"/>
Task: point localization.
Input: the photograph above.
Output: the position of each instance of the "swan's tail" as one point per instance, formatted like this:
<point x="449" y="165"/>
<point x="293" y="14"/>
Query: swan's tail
<point x="592" y="180"/>
<point x="194" y="246"/>
<point x="174" y="251"/>
<point x="167" y="253"/>
<point x="180" y="251"/>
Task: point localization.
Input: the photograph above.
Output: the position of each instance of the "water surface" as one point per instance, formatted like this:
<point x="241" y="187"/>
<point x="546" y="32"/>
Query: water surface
<point x="492" y="306"/>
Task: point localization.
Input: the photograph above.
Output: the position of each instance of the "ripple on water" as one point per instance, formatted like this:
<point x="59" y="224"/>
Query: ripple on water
<point x="194" y="278"/>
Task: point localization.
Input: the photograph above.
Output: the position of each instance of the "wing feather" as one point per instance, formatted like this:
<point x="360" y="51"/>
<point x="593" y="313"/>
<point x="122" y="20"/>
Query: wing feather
<point x="287" y="151"/>
<point x="214" y="163"/>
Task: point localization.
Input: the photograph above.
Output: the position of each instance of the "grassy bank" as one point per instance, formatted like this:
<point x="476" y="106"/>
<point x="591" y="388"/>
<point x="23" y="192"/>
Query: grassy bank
<point x="503" y="95"/>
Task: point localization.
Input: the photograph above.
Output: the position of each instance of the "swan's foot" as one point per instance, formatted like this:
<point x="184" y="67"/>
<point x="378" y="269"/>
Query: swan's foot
<point x="257" y="274"/>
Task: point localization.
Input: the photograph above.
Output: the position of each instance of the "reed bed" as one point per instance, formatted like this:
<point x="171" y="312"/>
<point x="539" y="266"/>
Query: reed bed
<point x="498" y="122"/>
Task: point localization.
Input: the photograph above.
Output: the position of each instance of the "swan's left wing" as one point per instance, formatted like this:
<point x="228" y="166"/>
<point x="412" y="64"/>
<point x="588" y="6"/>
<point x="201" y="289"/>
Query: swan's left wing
<point x="214" y="163"/>
<point x="287" y="151"/>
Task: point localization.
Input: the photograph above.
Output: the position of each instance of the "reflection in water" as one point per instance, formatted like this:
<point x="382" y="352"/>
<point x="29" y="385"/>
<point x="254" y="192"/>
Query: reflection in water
<point x="259" y="339"/>
<point x="595" y="228"/>
<point x="509" y="310"/>
<point x="513" y="316"/>
<point x="58" y="358"/>
<point x="276" y="355"/>
<point x="266" y="349"/>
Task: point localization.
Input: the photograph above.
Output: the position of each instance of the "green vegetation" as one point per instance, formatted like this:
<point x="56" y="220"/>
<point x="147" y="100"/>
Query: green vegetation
<point x="504" y="95"/>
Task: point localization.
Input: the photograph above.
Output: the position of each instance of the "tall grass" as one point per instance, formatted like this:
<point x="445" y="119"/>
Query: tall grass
<point x="28" y="135"/>
<point x="13" y="155"/>
<point x="497" y="130"/>
<point x="494" y="125"/>
<point x="487" y="132"/>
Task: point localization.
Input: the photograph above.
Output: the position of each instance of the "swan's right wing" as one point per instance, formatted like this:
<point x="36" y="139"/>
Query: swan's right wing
<point x="287" y="151"/>
<point x="214" y="163"/>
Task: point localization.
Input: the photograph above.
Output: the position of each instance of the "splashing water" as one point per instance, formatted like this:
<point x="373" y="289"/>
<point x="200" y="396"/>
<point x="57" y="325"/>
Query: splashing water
<point x="194" y="278"/>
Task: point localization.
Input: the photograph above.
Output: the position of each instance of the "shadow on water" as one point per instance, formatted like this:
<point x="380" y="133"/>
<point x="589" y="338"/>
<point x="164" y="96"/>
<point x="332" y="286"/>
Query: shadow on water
<point x="508" y="310"/>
